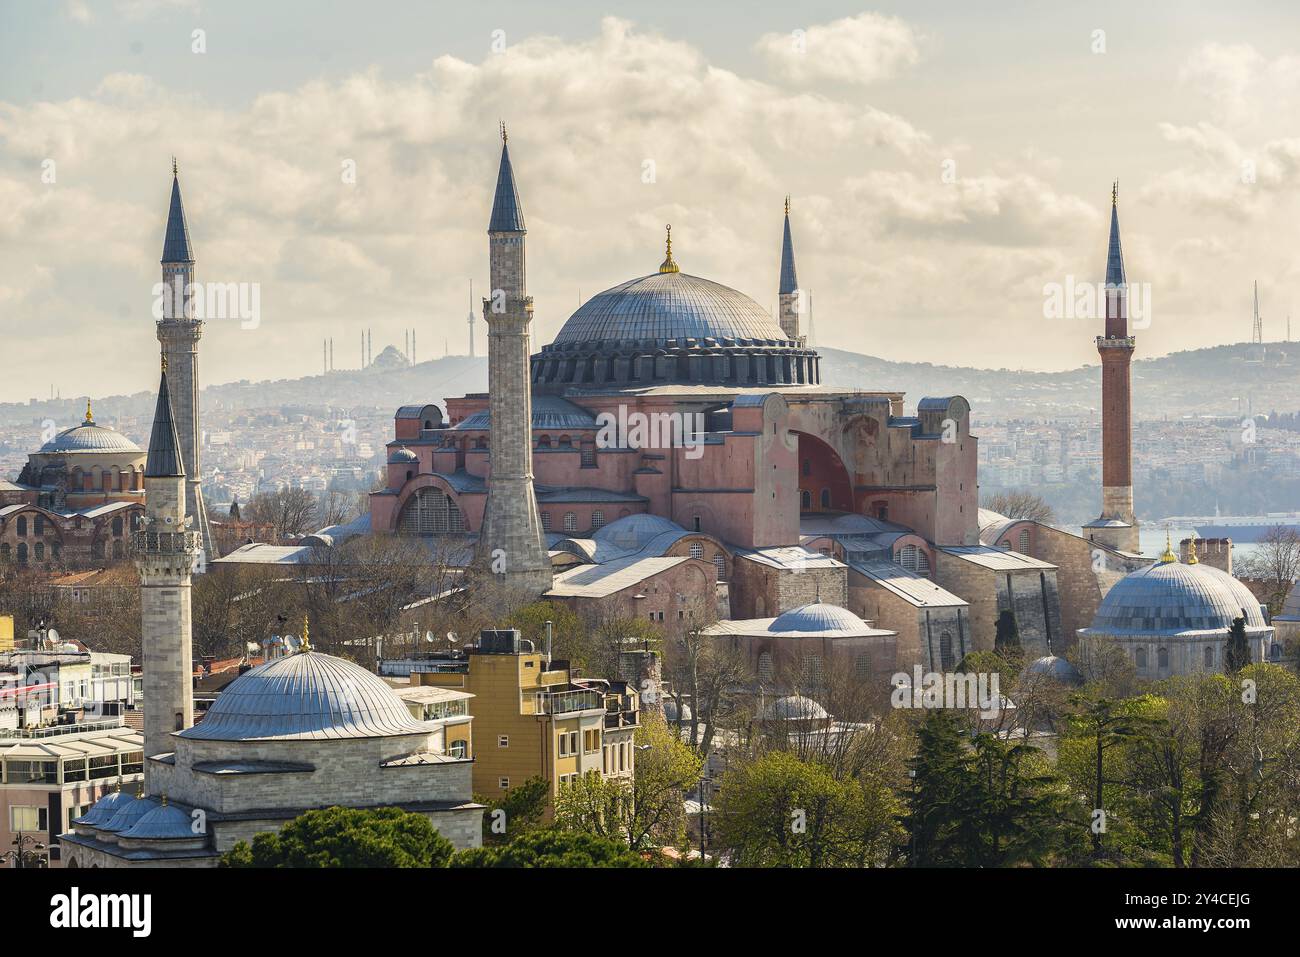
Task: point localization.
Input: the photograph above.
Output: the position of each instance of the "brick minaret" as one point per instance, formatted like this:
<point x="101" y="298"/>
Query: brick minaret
<point x="164" y="552"/>
<point x="510" y="543"/>
<point x="1117" y="526"/>
<point x="179" y="333"/>
<point x="789" y="291"/>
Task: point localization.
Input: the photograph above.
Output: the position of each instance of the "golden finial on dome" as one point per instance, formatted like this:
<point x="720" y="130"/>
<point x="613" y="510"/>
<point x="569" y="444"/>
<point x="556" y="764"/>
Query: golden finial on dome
<point x="787" y="204"/>
<point x="174" y="172"/>
<point x="504" y="136"/>
<point x="1191" y="553"/>
<point x="1114" y="193"/>
<point x="164" y="799"/>
<point x="668" y="265"/>
<point x="306" y="637"/>
<point x="1169" y="556"/>
<point x="90" y="416"/>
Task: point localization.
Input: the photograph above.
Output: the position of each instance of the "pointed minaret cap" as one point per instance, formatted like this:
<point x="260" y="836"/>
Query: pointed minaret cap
<point x="1114" y="255"/>
<point x="507" y="210"/>
<point x="789" y="281"/>
<point x="164" y="459"/>
<point x="176" y="244"/>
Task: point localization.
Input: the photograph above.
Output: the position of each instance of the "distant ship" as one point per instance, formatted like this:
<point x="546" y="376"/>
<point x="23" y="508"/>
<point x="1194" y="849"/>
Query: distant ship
<point x="1239" y="528"/>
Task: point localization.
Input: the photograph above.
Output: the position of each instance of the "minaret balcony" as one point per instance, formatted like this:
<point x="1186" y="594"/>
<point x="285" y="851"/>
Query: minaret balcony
<point x="165" y="543"/>
<point x="1124" y="342"/>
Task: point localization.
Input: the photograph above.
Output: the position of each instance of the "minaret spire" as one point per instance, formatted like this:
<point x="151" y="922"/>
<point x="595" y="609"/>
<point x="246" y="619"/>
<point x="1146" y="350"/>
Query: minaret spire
<point x="788" y="291"/>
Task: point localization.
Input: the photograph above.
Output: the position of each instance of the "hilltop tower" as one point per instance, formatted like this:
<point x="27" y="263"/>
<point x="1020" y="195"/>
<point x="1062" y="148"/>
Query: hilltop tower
<point x="179" y="332"/>
<point x="510" y="543"/>
<point x="165" y="549"/>
<point x="789" y="289"/>
<point x="1116" y="526"/>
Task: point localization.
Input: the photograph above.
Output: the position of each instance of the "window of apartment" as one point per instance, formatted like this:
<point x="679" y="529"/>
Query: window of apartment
<point x="74" y="769"/>
<point x="503" y="783"/>
<point x="457" y="749"/>
<point x="503" y="740"/>
<point x="622" y="756"/>
<point x="568" y="745"/>
<point x="32" y="772"/>
<point x="28" y="819"/>
<point x="591" y="741"/>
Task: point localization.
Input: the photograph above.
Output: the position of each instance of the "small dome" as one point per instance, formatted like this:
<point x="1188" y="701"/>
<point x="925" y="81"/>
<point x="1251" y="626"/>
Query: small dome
<point x="1057" y="668"/>
<point x="162" y="822"/>
<point x="403" y="455"/>
<point x="794" y="708"/>
<point x="89" y="437"/>
<point x="103" y="810"/>
<point x="305" y="696"/>
<point x="819" y="618"/>
<point x="1169" y="598"/>
<point x="130" y="812"/>
<point x="635" y="531"/>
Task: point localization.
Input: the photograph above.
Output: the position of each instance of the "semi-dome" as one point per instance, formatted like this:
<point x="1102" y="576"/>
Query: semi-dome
<point x="672" y="328"/>
<point x="1170" y="598"/>
<point x="820" y="618"/>
<point x="304" y="696"/>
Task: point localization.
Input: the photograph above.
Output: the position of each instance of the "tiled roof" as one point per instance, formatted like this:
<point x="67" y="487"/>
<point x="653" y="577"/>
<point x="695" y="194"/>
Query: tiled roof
<point x="176" y="244"/>
<point x="507" y="210"/>
<point x="601" y="581"/>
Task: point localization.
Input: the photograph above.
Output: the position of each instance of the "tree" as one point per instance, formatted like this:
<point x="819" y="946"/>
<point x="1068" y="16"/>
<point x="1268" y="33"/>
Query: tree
<point x="522" y="809"/>
<point x="1021" y="504"/>
<point x="1237" y="655"/>
<point x="347" y="837"/>
<point x="234" y="509"/>
<point x="937" y="772"/>
<point x="290" y="512"/>
<point x="553" y="848"/>
<point x="1275" y="560"/>
<point x="645" y="812"/>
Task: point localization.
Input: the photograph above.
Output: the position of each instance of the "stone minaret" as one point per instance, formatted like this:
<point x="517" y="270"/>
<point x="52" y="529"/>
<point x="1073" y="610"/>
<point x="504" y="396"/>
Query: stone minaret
<point x="510" y="543"/>
<point x="164" y="552"/>
<point x="789" y="291"/>
<point x="179" y="333"/>
<point x="1117" y="525"/>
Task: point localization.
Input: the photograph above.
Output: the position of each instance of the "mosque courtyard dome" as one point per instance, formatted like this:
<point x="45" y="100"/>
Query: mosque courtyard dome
<point x="670" y="327"/>
<point x="1172" y="598"/>
<point x="306" y="696"/>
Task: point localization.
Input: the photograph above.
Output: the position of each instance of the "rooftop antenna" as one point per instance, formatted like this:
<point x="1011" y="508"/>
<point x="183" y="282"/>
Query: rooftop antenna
<point x="1257" y="329"/>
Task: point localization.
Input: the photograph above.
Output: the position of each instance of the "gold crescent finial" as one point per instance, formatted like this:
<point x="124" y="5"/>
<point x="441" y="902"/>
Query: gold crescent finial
<point x="164" y="799"/>
<point x="1168" y="557"/>
<point x="787" y="204"/>
<point x="90" y="416"/>
<point x="173" y="166"/>
<point x="164" y="362"/>
<point x="504" y="136"/>
<point x="1191" y="553"/>
<point x="1114" y="193"/>
<point x="668" y="265"/>
<point x="306" y="637"/>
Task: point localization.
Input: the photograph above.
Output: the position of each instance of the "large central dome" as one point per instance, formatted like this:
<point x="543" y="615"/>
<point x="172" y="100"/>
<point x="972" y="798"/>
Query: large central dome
<point x="669" y="305"/>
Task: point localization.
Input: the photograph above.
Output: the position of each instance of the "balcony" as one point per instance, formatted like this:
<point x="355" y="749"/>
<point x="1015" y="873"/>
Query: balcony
<point x="567" y="702"/>
<point x="621" y="719"/>
<point x="165" y="543"/>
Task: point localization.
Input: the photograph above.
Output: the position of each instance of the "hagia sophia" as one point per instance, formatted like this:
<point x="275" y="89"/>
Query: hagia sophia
<point x="811" y="528"/>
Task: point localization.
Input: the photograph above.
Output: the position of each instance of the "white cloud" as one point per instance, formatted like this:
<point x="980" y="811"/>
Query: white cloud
<point x="861" y="49"/>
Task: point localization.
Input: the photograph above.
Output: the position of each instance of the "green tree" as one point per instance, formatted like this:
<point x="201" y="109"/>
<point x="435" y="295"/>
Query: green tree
<point x="1237" y="655"/>
<point x="937" y="775"/>
<point x="347" y="837"/>
<point x="550" y="847"/>
<point x="522" y="809"/>
<point x="646" y="811"/>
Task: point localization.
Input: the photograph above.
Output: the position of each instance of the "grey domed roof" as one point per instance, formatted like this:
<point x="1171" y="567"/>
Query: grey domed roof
<point x="633" y="532"/>
<point x="1053" y="667"/>
<point x="162" y="822"/>
<point x="669" y="305"/>
<point x="305" y="696"/>
<point x="130" y="812"/>
<point x="403" y="455"/>
<point x="89" y="437"/>
<point x="103" y="810"/>
<point x="820" y="618"/>
<point x="794" y="708"/>
<point x="1169" y="598"/>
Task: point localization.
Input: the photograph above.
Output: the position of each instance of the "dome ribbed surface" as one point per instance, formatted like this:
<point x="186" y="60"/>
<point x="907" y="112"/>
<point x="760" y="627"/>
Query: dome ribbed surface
<point x="306" y="696"/>
<point x="103" y="810"/>
<point x="163" y="822"/>
<point x="90" y="438"/>
<point x="794" y="708"/>
<point x="1170" y="597"/>
<point x="664" y="306"/>
<point x="130" y="812"/>
<point x="819" y="617"/>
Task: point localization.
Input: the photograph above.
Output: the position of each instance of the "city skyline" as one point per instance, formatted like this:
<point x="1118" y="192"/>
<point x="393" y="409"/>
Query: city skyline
<point x="926" y="205"/>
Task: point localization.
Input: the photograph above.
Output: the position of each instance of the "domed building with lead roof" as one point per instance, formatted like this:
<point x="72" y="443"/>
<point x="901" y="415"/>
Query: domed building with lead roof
<point x="1172" y="618"/>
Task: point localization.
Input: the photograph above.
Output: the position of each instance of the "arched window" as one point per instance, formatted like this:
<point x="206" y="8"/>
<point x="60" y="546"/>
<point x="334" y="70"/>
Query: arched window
<point x="570" y="522"/>
<point x="5" y="553"/>
<point x="117" y="549"/>
<point x="1140" y="658"/>
<point x="907" y="557"/>
<point x="805" y="499"/>
<point x="1209" y="656"/>
<point x="946" y="660"/>
<point x="922" y="562"/>
<point x="807" y="466"/>
<point x="597" y="519"/>
<point x="430" y="511"/>
<point x="22" y="526"/>
<point x="40" y="551"/>
<point x="720" y="563"/>
<point x="97" y="549"/>
<point x="1024" y="541"/>
<point x="765" y="667"/>
<point x="544" y="442"/>
<point x="826" y="498"/>
<point x="117" y="527"/>
<point x="566" y="442"/>
<point x="22" y="553"/>
<point x="696" y="550"/>
<point x="1162" y="658"/>
<point x="39" y="523"/>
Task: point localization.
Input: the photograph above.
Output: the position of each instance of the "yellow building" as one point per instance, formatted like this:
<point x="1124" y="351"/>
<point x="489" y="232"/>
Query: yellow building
<point x="532" y="717"/>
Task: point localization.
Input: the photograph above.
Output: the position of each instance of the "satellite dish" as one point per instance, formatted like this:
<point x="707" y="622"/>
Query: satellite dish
<point x="451" y="636"/>
<point x="52" y="635"/>
<point x="428" y="636"/>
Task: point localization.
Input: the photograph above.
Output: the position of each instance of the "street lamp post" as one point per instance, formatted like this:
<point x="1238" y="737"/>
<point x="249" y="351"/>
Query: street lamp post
<point x="20" y="843"/>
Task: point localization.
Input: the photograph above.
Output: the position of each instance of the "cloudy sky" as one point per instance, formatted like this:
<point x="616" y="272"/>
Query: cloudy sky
<point x="947" y="161"/>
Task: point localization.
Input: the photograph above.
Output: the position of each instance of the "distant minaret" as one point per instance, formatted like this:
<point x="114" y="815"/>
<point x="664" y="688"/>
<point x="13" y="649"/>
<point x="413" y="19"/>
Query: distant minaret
<point x="788" y="311"/>
<point x="179" y="332"/>
<point x="471" y="319"/>
<point x="1117" y="526"/>
<point x="164" y="553"/>
<point x="510" y="543"/>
